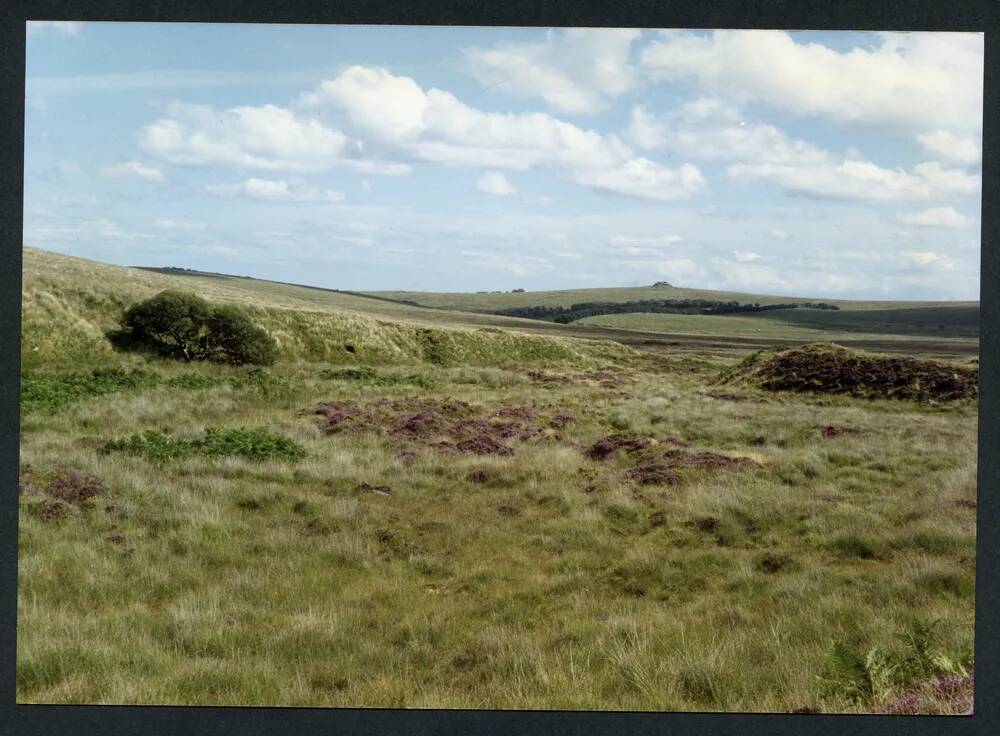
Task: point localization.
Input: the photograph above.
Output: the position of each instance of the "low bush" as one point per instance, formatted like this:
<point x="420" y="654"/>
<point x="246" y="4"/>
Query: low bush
<point x="52" y="391"/>
<point x="256" y="444"/>
<point x="232" y="337"/>
<point x="874" y="676"/>
<point x="183" y="326"/>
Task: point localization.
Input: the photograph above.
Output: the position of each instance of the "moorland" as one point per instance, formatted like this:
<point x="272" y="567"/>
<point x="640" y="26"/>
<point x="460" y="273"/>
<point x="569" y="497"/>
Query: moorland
<point x="426" y="503"/>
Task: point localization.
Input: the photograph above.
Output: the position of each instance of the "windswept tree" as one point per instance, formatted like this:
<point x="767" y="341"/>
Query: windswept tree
<point x="233" y="338"/>
<point x="184" y="326"/>
<point x="171" y="324"/>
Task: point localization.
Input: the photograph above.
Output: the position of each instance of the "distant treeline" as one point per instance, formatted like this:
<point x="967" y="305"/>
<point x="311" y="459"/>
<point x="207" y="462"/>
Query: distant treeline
<point x="669" y="306"/>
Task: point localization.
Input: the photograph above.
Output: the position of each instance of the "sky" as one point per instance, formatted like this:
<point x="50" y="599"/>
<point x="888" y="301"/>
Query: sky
<point x="833" y="164"/>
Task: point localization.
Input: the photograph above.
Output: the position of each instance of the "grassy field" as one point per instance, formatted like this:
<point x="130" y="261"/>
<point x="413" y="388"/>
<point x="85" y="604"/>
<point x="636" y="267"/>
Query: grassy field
<point x="806" y="324"/>
<point x="506" y="300"/>
<point x="786" y="566"/>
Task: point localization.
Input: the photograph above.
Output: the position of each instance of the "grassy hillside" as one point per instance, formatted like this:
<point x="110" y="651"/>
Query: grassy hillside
<point x="68" y="303"/>
<point x="930" y="320"/>
<point x="506" y="300"/>
<point x="805" y="325"/>
<point x="943" y="328"/>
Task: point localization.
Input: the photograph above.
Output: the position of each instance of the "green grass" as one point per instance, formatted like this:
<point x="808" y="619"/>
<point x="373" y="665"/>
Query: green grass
<point x="505" y="300"/>
<point x="253" y="581"/>
<point x="256" y="444"/>
<point x="268" y="563"/>
<point x="816" y="325"/>
<point x="68" y="305"/>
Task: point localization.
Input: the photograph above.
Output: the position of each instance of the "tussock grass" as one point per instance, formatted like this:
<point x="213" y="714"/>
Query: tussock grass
<point x="269" y="563"/>
<point x="546" y="580"/>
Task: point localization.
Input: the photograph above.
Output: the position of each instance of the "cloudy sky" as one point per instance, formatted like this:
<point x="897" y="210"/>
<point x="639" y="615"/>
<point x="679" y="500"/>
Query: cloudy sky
<point x="459" y="159"/>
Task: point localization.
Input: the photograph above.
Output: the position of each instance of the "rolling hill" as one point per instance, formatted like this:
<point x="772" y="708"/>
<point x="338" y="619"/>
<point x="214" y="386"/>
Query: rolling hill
<point x="69" y="302"/>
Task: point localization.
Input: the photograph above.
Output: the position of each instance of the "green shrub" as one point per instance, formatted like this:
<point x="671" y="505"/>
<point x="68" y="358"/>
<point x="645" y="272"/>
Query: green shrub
<point x="870" y="677"/>
<point x="53" y="391"/>
<point x="257" y="444"/>
<point x="171" y="324"/>
<point x="184" y="326"/>
<point x="862" y="677"/>
<point x="372" y="377"/>
<point x="232" y="337"/>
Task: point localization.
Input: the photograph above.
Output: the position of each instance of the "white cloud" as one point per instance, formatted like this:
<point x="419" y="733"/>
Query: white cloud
<point x="575" y="70"/>
<point x="133" y="169"/>
<point x="66" y="27"/>
<point x="962" y="149"/>
<point x="778" y="234"/>
<point x="912" y="81"/>
<point x="396" y="114"/>
<point x="928" y="260"/>
<point x="390" y="119"/>
<point x="746" y="256"/>
<point x="935" y="217"/>
<point x="276" y="191"/>
<point x="713" y="130"/>
<point x="863" y="180"/>
<point x="493" y="182"/>
<point x="267" y="137"/>
<point x="640" y="177"/>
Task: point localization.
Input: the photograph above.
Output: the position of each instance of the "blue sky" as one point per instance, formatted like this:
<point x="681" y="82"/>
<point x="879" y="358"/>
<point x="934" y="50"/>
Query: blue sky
<point x="460" y="159"/>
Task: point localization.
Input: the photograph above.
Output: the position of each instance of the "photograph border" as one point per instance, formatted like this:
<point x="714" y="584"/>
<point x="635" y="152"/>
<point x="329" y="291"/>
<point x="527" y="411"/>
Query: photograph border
<point x="913" y="15"/>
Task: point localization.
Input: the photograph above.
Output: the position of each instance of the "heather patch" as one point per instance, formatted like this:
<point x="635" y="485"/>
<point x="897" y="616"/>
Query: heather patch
<point x="68" y="486"/>
<point x="50" y="495"/>
<point x="832" y="369"/>
<point x="448" y="426"/>
<point x="668" y="468"/>
<point x="611" y="445"/>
